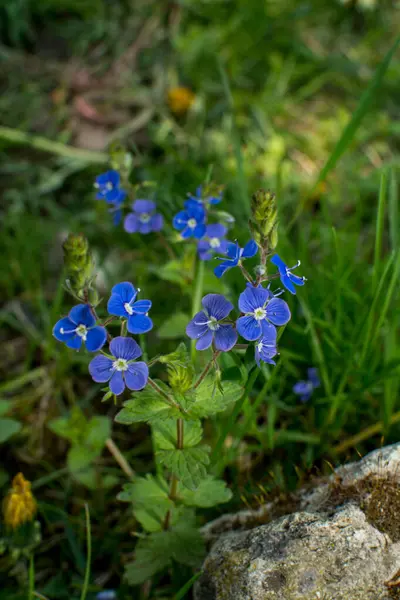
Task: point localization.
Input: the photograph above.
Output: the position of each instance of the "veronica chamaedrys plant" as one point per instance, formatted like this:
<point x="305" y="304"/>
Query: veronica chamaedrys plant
<point x="175" y="405"/>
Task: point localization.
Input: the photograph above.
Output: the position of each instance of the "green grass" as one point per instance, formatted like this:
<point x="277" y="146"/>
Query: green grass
<point x="296" y="97"/>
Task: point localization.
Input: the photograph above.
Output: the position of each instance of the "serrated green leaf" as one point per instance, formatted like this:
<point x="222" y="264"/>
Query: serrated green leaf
<point x="188" y="464"/>
<point x="8" y="427"/>
<point x="150" y="500"/>
<point x="210" y="400"/>
<point x="209" y="493"/>
<point x="147" y="407"/>
<point x="174" y="327"/>
<point x="182" y="543"/>
<point x="165" y="434"/>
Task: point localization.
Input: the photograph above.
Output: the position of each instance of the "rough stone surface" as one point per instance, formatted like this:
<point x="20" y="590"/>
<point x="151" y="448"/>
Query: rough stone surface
<point x="342" y="543"/>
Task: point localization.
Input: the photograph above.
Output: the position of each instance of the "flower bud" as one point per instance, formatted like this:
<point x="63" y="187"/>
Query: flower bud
<point x="180" y="378"/>
<point x="78" y="262"/>
<point x="264" y="220"/>
<point x="19" y="505"/>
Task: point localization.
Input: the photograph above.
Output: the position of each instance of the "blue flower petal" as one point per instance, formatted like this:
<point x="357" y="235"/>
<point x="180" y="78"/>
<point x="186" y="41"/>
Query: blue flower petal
<point x="117" y="383"/>
<point x="314" y="377"/>
<point x="303" y="389"/>
<point x="287" y="283"/>
<point x="126" y="290"/>
<point x="250" y="249"/>
<point x="75" y="342"/>
<point x="144" y="206"/>
<point x="217" y="306"/>
<point x="296" y="279"/>
<point x="100" y="368"/>
<point x="225" y="338"/>
<point x="198" y="326"/>
<point x="249" y="328"/>
<point x="136" y="376"/>
<point x="216" y="230"/>
<point x="197" y="212"/>
<point x="115" y="306"/>
<point x="199" y="231"/>
<point x="192" y="204"/>
<point x="278" y="312"/>
<point x="96" y="338"/>
<point x="252" y="298"/>
<point x="278" y="262"/>
<point x="81" y="315"/>
<point x="222" y="268"/>
<point x="233" y="251"/>
<point x="64" y="329"/>
<point x="180" y="220"/>
<point x="112" y="196"/>
<point x="138" y="323"/>
<point x="157" y="222"/>
<point x="205" y="341"/>
<point x="125" y="347"/>
<point x="141" y="306"/>
<point x="269" y="333"/>
<point x="131" y="223"/>
<point x="145" y="228"/>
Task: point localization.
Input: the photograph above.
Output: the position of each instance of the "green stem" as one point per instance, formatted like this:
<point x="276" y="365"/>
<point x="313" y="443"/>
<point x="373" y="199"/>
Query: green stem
<point x="31" y="577"/>
<point x="88" y="554"/>
<point x="207" y="368"/>
<point x="174" y="480"/>
<point x="164" y="395"/>
<point x="197" y="295"/>
<point x="40" y="143"/>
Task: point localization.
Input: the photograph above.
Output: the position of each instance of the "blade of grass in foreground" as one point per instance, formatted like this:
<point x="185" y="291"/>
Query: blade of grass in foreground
<point x="350" y="130"/>
<point x="380" y="225"/>
<point x="394" y="223"/>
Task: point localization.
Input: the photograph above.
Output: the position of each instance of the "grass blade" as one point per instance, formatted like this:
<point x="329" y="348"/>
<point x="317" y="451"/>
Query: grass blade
<point x="394" y="224"/>
<point x="380" y="224"/>
<point x="88" y="554"/>
<point x="350" y="130"/>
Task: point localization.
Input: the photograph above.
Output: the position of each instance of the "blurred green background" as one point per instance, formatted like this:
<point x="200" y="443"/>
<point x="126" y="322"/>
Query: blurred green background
<point x="300" y="97"/>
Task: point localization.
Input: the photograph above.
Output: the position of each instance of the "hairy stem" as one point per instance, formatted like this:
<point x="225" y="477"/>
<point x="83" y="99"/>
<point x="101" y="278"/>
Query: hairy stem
<point x="119" y="458"/>
<point x="164" y="395"/>
<point x="174" y="480"/>
<point x="207" y="368"/>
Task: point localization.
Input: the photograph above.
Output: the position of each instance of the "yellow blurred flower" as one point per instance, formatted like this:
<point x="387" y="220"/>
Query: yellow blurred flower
<point x="180" y="99"/>
<point x="19" y="505"/>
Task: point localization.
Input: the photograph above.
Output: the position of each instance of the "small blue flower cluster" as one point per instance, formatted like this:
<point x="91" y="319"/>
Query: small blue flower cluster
<point x="143" y="218"/>
<point x="119" y="367"/>
<point x="108" y="189"/>
<point x="192" y="223"/>
<point x="304" y="389"/>
<point x="261" y="311"/>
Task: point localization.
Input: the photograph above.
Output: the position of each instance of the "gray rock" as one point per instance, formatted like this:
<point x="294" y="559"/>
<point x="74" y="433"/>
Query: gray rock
<point x="343" y="542"/>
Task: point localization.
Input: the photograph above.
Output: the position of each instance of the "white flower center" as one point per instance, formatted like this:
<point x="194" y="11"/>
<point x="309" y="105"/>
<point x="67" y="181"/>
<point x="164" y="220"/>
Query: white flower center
<point x="260" y="346"/>
<point x="109" y="185"/>
<point x="144" y="218"/>
<point x="121" y="364"/>
<point x="192" y="223"/>
<point x="128" y="308"/>
<point x="260" y="314"/>
<point x="215" y="243"/>
<point x="82" y="331"/>
<point x="213" y="324"/>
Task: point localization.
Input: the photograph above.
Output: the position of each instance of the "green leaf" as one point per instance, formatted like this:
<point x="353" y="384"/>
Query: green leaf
<point x="165" y="434"/>
<point x="97" y="432"/>
<point x="61" y="427"/>
<point x="209" y="493"/>
<point x="174" y="327"/>
<point x="210" y="400"/>
<point x="147" y="407"/>
<point x="182" y="543"/>
<point x="189" y="464"/>
<point x="150" y="500"/>
<point x="91" y="479"/>
<point x="79" y="457"/>
<point x="8" y="427"/>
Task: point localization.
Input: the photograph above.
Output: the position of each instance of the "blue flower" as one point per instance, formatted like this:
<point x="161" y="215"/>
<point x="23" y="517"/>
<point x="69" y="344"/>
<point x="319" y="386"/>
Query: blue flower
<point x="143" y="219"/>
<point x="236" y="254"/>
<point x="123" y="304"/>
<point x="261" y="312"/>
<point x="107" y="185"/>
<point x="80" y="326"/>
<point x="213" y="241"/>
<point x="266" y="347"/>
<point x="198" y="197"/>
<point x="106" y="595"/>
<point x="287" y="278"/>
<point x="206" y="325"/>
<point x="191" y="222"/>
<point x="120" y="370"/>
<point x="116" y="209"/>
<point x="304" y="389"/>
